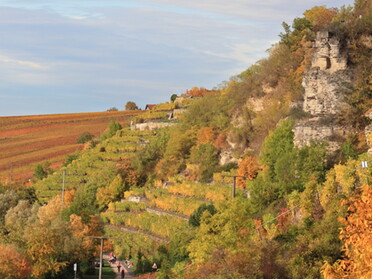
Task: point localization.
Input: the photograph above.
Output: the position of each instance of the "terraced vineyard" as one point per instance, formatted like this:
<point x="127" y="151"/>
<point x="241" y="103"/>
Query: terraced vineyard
<point x="26" y="141"/>
<point x="142" y="220"/>
<point x="152" y="217"/>
<point x="97" y="166"/>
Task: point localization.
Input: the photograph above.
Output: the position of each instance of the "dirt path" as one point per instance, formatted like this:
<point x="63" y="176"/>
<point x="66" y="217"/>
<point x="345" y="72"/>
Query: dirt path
<point x="128" y="273"/>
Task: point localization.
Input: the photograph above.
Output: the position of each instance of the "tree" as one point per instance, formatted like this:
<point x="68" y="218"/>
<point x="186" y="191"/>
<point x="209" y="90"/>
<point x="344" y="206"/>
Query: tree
<point x="197" y="92"/>
<point x="356" y="236"/>
<point x="7" y="200"/>
<point x="112" y="129"/>
<point x="173" y="97"/>
<point x="42" y="170"/>
<point x="278" y="143"/>
<point x="205" y="156"/>
<point x="320" y="16"/>
<point x="13" y="263"/>
<point x="196" y="216"/>
<point x="249" y="168"/>
<point x="131" y="106"/>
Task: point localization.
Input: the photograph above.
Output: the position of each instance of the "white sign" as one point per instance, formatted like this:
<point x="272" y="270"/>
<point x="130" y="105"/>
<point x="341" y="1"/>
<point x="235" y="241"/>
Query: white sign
<point x="75" y="267"/>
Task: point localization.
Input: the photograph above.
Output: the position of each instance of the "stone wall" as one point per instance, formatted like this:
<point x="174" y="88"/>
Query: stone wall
<point x="150" y="125"/>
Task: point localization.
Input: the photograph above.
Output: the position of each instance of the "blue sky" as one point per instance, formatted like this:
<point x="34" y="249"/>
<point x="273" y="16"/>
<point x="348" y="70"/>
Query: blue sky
<point x="62" y="56"/>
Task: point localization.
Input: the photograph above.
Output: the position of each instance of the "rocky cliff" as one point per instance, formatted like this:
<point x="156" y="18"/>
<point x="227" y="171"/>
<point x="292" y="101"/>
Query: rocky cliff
<point x="325" y="85"/>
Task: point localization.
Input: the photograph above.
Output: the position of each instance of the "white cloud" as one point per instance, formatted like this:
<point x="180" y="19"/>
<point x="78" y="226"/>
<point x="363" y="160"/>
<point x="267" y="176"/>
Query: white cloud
<point x="23" y="63"/>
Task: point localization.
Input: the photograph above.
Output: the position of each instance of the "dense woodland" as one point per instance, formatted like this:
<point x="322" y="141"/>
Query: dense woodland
<point x="299" y="212"/>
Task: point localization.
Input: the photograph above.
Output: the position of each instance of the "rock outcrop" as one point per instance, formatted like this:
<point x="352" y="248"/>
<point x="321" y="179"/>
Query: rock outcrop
<point x="150" y="125"/>
<point x="368" y="131"/>
<point x="325" y="85"/>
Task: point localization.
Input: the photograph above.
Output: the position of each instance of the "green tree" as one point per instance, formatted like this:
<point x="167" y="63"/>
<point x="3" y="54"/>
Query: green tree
<point x="196" y="216"/>
<point x="42" y="170"/>
<point x="113" y="127"/>
<point x="173" y="97"/>
<point x="278" y="143"/>
<point x="206" y="157"/>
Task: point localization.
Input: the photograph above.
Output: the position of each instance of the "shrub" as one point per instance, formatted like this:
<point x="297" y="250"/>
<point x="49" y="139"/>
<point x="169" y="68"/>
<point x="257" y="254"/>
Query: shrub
<point x="195" y="217"/>
<point x="85" y="137"/>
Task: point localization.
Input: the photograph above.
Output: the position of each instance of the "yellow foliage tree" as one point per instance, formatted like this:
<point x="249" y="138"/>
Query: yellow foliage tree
<point x="320" y="16"/>
<point x="357" y="241"/>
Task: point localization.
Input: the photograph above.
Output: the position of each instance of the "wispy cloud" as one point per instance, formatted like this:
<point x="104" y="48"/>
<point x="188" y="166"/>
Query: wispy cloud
<point x="23" y="63"/>
<point x="107" y="51"/>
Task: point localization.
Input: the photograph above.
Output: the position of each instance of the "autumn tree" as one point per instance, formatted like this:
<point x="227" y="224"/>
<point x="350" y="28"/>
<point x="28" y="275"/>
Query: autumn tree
<point x="18" y="218"/>
<point x="320" y="16"/>
<point x="205" y="156"/>
<point x="249" y="168"/>
<point x="131" y="106"/>
<point x="13" y="263"/>
<point x="205" y="135"/>
<point x="356" y="237"/>
<point x="197" y="92"/>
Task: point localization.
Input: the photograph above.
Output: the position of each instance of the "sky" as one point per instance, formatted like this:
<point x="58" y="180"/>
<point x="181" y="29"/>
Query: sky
<point x="66" y="56"/>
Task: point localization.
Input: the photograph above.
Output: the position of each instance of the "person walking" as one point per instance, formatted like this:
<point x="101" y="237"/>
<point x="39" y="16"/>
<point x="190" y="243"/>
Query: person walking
<point x="122" y="273"/>
<point x="119" y="266"/>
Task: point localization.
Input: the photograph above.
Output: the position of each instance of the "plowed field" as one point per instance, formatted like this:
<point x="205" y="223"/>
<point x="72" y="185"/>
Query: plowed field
<point x="26" y="141"/>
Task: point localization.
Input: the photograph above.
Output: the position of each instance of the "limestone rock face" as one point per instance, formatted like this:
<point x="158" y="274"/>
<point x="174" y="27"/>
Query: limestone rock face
<point x="325" y="84"/>
<point x="324" y="91"/>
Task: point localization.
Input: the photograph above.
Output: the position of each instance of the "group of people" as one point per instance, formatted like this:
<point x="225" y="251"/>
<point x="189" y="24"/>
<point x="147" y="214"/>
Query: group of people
<point x="121" y="268"/>
<point x="112" y="259"/>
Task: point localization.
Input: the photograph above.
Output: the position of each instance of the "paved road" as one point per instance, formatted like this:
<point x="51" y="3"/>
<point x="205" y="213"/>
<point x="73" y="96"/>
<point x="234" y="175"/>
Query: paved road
<point x="128" y="273"/>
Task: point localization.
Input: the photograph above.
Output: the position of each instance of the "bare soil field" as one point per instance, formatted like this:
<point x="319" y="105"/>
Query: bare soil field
<point x="26" y="141"/>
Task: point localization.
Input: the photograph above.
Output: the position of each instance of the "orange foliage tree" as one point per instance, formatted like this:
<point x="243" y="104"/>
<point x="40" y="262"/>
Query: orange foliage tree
<point x="356" y="236"/>
<point x="249" y="168"/>
<point x="197" y="92"/>
<point x="13" y="264"/>
<point x="320" y="16"/>
<point x="205" y="135"/>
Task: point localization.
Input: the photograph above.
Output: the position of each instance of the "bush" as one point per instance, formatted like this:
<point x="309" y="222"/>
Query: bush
<point x="85" y="137"/>
<point x="195" y="217"/>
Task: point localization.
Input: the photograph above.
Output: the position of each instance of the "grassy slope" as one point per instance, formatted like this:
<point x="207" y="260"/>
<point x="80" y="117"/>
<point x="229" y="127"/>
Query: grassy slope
<point x="26" y="141"/>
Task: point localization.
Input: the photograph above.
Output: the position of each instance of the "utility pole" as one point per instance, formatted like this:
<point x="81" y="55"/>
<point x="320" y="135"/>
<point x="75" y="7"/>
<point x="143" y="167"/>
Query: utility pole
<point x="234" y="183"/>
<point x="100" y="252"/>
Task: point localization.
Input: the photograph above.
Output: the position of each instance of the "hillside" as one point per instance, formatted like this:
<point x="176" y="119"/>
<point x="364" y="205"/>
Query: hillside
<point x="267" y="176"/>
<point x="26" y="141"/>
